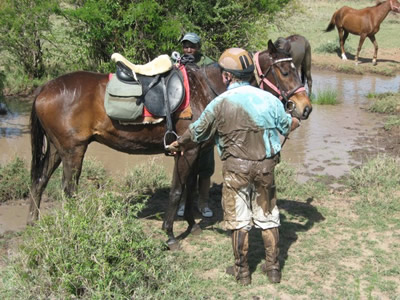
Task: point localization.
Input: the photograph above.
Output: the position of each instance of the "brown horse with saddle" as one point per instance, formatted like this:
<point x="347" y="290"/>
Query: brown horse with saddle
<point x="69" y="113"/>
<point x="363" y="22"/>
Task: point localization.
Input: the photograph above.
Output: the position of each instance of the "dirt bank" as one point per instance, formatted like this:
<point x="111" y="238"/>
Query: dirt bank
<point x="388" y="62"/>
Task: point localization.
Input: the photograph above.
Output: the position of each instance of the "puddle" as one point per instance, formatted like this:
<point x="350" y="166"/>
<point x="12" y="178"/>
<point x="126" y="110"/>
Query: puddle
<point x="321" y="146"/>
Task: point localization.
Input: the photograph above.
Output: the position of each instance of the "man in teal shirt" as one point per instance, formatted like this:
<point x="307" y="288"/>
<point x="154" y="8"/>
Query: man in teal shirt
<point x="245" y="122"/>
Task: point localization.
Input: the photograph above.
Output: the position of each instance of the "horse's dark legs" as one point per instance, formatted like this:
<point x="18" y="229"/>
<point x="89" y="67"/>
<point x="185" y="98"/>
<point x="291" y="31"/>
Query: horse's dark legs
<point x="362" y="39"/>
<point x="72" y="167"/>
<point x="343" y="34"/>
<point x="306" y="69"/>
<point x="373" y="40"/>
<point x="183" y="168"/>
<point x="51" y="161"/>
<point x="191" y="183"/>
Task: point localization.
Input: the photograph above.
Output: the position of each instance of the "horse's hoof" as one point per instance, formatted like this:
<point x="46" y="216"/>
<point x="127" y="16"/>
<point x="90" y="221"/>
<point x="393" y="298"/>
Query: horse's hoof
<point x="196" y="229"/>
<point x="374" y="63"/>
<point x="173" y="245"/>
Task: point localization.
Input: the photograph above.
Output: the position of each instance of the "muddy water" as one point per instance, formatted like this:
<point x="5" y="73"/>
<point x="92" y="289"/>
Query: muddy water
<point x="321" y="146"/>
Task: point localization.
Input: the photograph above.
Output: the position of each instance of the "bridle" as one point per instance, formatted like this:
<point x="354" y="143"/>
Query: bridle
<point x="261" y="78"/>
<point x="283" y="95"/>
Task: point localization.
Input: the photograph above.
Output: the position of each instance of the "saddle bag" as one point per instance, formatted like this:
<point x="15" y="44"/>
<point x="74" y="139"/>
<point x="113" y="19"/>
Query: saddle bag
<point x="122" y="99"/>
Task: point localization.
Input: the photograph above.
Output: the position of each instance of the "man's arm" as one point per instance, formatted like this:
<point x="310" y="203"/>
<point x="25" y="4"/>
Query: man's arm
<point x="200" y="131"/>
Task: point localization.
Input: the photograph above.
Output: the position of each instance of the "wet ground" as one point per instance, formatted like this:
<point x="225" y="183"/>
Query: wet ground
<point x="330" y="143"/>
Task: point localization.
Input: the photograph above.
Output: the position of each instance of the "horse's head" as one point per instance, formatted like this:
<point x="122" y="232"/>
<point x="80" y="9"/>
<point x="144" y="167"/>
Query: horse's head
<point x="277" y="74"/>
<point x="395" y="5"/>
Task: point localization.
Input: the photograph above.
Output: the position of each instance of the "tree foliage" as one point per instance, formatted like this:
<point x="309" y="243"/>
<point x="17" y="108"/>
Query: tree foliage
<point x="92" y="30"/>
<point x="24" y="27"/>
<point x="143" y="29"/>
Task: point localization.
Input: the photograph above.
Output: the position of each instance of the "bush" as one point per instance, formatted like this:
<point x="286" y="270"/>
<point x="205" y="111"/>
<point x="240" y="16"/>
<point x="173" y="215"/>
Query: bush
<point x="95" y="247"/>
<point x="14" y="180"/>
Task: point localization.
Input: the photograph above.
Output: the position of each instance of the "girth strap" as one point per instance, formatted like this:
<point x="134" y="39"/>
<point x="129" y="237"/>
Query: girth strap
<point x="170" y="129"/>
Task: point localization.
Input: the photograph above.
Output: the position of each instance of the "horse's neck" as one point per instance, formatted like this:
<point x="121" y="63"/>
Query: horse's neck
<point x="382" y="11"/>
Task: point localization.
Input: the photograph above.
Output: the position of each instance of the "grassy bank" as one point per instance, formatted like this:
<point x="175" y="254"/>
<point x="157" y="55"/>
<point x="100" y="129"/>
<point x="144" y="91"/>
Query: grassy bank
<point x="334" y="244"/>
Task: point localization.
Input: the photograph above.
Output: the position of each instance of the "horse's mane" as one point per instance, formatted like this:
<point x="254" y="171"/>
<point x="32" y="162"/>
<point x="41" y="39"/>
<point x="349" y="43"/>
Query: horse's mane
<point x="279" y="50"/>
<point x="197" y="78"/>
<point x="379" y="2"/>
<point x="280" y="42"/>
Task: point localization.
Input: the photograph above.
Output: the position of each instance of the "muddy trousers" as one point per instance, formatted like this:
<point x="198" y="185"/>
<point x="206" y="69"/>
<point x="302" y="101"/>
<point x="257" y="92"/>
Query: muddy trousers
<point x="240" y="245"/>
<point x="271" y="238"/>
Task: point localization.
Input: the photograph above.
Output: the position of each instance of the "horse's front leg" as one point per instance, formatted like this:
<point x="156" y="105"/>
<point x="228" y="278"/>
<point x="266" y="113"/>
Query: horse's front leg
<point x="373" y="40"/>
<point x="362" y="39"/>
<point x="182" y="170"/>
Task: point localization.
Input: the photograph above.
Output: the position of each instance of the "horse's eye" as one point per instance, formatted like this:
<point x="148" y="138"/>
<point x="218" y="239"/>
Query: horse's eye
<point x="284" y="72"/>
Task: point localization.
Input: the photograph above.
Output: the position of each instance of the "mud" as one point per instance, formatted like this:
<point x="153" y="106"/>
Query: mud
<point x="329" y="144"/>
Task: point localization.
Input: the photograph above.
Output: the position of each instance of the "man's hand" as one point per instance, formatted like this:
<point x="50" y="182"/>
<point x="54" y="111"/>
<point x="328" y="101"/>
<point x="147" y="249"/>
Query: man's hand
<point x="295" y="123"/>
<point x="173" y="147"/>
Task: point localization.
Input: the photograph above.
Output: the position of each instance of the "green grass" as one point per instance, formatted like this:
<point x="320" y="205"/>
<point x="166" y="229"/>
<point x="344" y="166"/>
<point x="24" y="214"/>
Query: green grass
<point x="333" y="245"/>
<point x="392" y="121"/>
<point x="326" y="97"/>
<point x="387" y="103"/>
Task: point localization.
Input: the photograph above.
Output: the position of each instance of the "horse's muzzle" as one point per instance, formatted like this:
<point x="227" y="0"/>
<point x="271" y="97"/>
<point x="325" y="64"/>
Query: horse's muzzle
<point x="307" y="111"/>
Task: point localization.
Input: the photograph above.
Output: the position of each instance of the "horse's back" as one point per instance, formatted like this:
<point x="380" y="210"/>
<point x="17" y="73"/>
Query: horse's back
<point x="69" y="100"/>
<point x="72" y="88"/>
<point x="299" y="48"/>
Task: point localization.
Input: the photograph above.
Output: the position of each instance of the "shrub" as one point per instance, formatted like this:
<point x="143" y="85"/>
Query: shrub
<point x="94" y="247"/>
<point x="14" y="180"/>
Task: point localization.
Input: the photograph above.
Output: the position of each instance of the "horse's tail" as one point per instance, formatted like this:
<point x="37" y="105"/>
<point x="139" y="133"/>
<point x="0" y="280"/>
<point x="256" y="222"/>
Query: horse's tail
<point x="40" y="149"/>
<point x="332" y="24"/>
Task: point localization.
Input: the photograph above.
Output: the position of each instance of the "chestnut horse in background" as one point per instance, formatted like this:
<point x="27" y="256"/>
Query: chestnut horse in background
<point x="363" y="22"/>
<point x="68" y="114"/>
<point x="300" y="51"/>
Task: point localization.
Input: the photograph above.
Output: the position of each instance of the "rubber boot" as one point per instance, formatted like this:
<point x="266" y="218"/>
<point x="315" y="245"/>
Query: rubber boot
<point x="240" y="244"/>
<point x="271" y="266"/>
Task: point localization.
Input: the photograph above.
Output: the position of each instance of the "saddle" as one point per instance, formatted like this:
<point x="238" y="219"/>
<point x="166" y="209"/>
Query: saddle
<point x="165" y="85"/>
<point x="159" y="65"/>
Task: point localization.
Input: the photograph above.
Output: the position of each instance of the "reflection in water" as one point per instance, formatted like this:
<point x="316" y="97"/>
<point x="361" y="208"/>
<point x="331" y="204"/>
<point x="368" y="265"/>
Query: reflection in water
<point x="320" y="146"/>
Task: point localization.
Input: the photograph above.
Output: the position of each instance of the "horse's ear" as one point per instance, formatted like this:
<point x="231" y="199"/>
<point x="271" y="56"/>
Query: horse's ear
<point x="283" y="44"/>
<point x="271" y="47"/>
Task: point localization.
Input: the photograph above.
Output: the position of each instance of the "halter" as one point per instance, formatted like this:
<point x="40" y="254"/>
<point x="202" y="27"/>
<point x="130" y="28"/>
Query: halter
<point x="262" y="78"/>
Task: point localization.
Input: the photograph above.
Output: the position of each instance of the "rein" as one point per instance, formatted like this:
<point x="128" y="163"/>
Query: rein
<point x="262" y="78"/>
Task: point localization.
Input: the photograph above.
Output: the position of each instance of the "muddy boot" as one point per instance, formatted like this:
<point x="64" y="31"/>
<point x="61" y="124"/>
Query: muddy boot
<point x="240" y="244"/>
<point x="271" y="265"/>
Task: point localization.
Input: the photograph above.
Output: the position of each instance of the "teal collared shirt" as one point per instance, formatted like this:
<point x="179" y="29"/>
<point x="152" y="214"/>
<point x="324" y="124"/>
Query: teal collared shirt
<point x="246" y="122"/>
